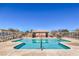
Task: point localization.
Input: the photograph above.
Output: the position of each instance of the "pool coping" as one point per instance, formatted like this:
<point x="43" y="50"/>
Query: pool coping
<point x="63" y="43"/>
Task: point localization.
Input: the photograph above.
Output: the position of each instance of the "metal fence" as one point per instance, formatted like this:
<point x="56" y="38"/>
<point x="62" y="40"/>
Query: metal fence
<point x="70" y="34"/>
<point x="4" y="36"/>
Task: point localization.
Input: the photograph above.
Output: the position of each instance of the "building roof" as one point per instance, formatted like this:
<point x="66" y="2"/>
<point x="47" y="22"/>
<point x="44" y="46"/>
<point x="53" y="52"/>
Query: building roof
<point x="4" y="30"/>
<point x="39" y="31"/>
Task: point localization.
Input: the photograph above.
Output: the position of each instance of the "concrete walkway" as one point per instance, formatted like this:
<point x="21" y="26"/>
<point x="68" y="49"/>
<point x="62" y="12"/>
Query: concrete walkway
<point x="6" y="49"/>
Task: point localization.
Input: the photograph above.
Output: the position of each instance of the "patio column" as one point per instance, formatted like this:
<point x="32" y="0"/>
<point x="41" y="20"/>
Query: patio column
<point x="46" y="34"/>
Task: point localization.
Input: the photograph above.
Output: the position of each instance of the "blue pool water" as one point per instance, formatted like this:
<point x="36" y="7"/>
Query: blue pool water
<point x="41" y="43"/>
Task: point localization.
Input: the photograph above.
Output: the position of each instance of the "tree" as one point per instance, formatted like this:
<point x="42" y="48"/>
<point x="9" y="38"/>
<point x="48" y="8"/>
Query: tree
<point x="14" y="30"/>
<point x="31" y="30"/>
<point x="27" y="31"/>
<point x="63" y="30"/>
<point x="53" y="32"/>
<point x="77" y="30"/>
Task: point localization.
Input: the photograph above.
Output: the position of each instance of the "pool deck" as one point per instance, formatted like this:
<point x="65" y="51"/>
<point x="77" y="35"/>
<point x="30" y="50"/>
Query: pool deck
<point x="6" y="49"/>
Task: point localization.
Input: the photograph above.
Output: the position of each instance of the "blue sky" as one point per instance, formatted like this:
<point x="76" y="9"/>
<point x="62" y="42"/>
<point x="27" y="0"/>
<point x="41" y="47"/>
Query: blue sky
<point x="39" y="16"/>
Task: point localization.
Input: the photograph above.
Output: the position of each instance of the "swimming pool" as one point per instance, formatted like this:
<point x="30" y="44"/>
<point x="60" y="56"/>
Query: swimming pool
<point x="41" y="44"/>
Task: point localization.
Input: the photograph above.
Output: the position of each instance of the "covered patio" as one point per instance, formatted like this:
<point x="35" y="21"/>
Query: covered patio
<point x="39" y="33"/>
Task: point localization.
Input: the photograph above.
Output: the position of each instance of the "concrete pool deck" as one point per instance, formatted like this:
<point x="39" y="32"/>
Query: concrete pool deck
<point x="6" y="49"/>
